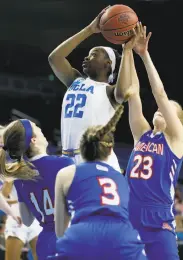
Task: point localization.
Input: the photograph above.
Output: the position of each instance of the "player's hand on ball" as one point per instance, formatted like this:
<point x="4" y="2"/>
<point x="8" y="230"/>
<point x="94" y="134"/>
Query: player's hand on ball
<point x="94" y="25"/>
<point x="136" y="36"/>
<point x="141" y="44"/>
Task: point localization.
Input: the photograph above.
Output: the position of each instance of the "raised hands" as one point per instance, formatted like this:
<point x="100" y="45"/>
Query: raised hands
<point x="136" y="35"/>
<point x="141" y="43"/>
<point x="94" y="25"/>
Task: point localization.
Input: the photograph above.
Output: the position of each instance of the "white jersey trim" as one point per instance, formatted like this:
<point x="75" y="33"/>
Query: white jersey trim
<point x="36" y="157"/>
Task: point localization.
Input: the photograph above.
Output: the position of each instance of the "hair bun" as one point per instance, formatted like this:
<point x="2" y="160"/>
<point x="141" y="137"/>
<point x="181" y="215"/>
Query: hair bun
<point x="92" y="138"/>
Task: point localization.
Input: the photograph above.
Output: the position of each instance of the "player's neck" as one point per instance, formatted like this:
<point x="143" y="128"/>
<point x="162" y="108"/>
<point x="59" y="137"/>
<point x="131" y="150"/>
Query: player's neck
<point x="101" y="78"/>
<point x="40" y="151"/>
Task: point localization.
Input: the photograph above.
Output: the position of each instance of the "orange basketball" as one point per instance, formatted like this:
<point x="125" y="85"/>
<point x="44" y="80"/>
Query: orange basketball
<point x="117" y="22"/>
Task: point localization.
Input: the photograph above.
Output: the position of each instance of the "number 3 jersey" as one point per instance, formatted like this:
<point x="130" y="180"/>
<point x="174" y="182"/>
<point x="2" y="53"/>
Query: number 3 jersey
<point x="152" y="174"/>
<point x="85" y="104"/>
<point x="38" y="195"/>
<point x="97" y="189"/>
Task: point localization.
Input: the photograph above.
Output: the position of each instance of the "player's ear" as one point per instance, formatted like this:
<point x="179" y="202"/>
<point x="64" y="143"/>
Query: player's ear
<point x="108" y="64"/>
<point x="33" y="140"/>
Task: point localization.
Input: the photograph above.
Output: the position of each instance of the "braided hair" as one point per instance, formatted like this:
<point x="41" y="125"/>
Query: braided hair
<point x="97" y="142"/>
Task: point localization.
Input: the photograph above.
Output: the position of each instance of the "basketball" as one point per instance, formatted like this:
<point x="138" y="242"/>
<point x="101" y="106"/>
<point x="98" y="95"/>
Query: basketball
<point x="117" y="22"/>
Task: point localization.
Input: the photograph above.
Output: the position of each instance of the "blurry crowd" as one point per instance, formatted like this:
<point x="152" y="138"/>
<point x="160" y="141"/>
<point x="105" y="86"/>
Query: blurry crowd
<point x="178" y="207"/>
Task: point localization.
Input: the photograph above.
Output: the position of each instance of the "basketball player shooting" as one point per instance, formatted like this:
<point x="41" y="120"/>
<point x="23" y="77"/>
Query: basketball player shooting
<point x="88" y="101"/>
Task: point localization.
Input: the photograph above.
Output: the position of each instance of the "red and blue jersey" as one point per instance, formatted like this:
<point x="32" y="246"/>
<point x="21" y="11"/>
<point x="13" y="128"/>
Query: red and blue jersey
<point x="39" y="195"/>
<point x="97" y="189"/>
<point x="152" y="174"/>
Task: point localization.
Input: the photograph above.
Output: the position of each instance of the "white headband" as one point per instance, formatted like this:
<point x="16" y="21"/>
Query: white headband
<point x="112" y="57"/>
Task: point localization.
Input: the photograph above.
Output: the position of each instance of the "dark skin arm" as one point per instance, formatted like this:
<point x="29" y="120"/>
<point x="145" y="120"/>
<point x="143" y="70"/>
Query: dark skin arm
<point x="57" y="59"/>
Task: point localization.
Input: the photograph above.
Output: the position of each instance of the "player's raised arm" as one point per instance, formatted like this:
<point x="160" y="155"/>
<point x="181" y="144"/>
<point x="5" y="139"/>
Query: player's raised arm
<point x="137" y="121"/>
<point x="124" y="77"/>
<point x="62" y="184"/>
<point x="129" y="84"/>
<point x="174" y="125"/>
<point x="124" y="80"/>
<point x="57" y="59"/>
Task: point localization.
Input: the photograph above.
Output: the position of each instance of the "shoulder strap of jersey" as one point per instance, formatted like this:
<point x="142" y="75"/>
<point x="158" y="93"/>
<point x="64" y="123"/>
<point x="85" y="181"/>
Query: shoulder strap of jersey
<point x="145" y="134"/>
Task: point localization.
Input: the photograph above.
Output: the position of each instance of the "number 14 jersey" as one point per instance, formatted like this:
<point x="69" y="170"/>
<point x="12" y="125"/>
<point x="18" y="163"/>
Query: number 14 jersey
<point x="85" y="104"/>
<point x="152" y="174"/>
<point x="39" y="195"/>
<point x="97" y="189"/>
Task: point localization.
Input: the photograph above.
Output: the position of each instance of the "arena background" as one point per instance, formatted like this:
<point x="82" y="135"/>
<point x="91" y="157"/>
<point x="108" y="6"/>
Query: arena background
<point x="30" y="30"/>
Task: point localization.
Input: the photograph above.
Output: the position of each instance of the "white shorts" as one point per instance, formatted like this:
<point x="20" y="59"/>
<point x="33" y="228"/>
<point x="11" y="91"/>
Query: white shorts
<point x="24" y="233"/>
<point x="112" y="160"/>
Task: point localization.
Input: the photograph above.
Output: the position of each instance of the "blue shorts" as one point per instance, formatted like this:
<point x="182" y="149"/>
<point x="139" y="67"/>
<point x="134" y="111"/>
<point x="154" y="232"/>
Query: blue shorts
<point x="99" y="238"/>
<point x="2" y="214"/>
<point x="46" y="244"/>
<point x="159" y="243"/>
<point x="149" y="219"/>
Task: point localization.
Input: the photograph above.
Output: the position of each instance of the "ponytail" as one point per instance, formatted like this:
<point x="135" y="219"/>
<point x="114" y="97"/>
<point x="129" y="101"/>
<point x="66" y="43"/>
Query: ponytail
<point x="111" y="125"/>
<point x="14" y="147"/>
<point x="97" y="142"/>
<point x="18" y="170"/>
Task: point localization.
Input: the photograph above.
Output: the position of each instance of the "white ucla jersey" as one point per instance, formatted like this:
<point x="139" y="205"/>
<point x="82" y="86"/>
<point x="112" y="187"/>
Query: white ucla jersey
<point x="85" y="104"/>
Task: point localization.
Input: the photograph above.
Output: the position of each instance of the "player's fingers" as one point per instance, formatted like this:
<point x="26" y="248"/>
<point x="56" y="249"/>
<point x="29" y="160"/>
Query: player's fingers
<point x="141" y="30"/>
<point x="138" y="28"/>
<point x="149" y="36"/>
<point x="107" y="7"/>
<point x="103" y="11"/>
<point x="134" y="32"/>
<point x="144" y="32"/>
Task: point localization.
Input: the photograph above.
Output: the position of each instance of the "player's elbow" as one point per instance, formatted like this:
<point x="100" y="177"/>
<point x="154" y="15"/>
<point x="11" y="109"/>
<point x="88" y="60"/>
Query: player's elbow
<point x="159" y="92"/>
<point x="50" y="58"/>
<point x="118" y="95"/>
<point x="55" y="58"/>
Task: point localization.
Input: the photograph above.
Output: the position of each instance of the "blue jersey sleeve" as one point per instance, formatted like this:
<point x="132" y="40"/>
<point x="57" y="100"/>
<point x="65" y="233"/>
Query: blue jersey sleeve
<point x="19" y="187"/>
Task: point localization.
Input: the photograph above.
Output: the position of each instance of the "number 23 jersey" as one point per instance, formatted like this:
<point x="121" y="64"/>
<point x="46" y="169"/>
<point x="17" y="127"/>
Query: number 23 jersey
<point x="97" y="189"/>
<point x="152" y="174"/>
<point x="85" y="104"/>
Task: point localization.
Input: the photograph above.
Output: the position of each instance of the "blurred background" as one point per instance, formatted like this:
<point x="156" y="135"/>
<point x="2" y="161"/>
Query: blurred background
<point x="31" y="29"/>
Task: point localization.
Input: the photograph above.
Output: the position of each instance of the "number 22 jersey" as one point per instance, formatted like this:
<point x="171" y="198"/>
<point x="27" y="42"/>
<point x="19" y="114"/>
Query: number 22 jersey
<point x="85" y="104"/>
<point x="152" y="174"/>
